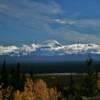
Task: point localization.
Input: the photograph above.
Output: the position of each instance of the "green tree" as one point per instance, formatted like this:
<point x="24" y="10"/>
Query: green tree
<point x="71" y="85"/>
<point x="16" y="77"/>
<point x="90" y="79"/>
<point x="4" y="75"/>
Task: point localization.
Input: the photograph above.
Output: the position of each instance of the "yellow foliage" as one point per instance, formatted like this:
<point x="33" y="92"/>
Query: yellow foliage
<point x="53" y="94"/>
<point x="41" y="90"/>
<point x="32" y="91"/>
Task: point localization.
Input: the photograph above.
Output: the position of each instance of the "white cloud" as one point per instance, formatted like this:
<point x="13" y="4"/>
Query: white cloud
<point x="70" y="34"/>
<point x="31" y="17"/>
<point x="94" y="23"/>
<point x="26" y="16"/>
<point x="63" y="22"/>
<point x="66" y="34"/>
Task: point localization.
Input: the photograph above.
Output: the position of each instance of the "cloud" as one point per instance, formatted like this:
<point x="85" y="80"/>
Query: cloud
<point x="2" y="6"/>
<point x="63" y="22"/>
<point x="28" y="16"/>
<point x="83" y="30"/>
<point x="76" y="37"/>
<point x="93" y="23"/>
<point x="35" y="19"/>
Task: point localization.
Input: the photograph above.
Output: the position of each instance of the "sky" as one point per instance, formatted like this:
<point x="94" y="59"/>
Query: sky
<point x="34" y="21"/>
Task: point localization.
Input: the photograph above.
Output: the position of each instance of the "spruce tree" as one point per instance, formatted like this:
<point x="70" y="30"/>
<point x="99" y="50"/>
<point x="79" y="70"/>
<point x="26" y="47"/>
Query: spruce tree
<point x="4" y="75"/>
<point x="90" y="79"/>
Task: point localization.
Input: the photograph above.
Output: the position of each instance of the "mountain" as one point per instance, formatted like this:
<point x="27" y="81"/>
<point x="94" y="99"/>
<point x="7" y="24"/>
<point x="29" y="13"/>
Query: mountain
<point x="49" y="48"/>
<point x="5" y="50"/>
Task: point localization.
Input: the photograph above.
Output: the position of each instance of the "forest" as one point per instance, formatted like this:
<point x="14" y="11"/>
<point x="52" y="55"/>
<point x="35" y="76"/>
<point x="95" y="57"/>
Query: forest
<point x="15" y="85"/>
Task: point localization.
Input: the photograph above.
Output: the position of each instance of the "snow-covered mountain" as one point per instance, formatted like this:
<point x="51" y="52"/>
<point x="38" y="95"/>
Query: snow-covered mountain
<point x="50" y="47"/>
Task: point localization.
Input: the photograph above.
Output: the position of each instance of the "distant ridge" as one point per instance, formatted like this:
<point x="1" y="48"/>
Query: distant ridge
<point x="49" y="48"/>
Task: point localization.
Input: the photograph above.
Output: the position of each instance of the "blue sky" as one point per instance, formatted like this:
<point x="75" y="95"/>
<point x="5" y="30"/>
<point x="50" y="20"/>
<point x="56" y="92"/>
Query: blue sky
<point x="67" y="21"/>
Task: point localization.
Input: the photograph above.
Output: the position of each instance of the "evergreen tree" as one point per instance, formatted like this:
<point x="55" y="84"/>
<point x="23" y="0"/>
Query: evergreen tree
<point x="22" y="82"/>
<point x="71" y="85"/>
<point x="89" y="62"/>
<point x="15" y="73"/>
<point x="13" y="78"/>
<point x="18" y="76"/>
<point x="4" y="75"/>
<point x="90" y="79"/>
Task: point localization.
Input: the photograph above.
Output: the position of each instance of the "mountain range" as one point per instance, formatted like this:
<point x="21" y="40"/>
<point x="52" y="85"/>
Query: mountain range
<point x="49" y="48"/>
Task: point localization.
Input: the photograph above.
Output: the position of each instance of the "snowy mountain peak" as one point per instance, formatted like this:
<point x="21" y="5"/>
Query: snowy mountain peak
<point x="50" y="47"/>
<point x="53" y="43"/>
<point x="7" y="49"/>
<point x="83" y="46"/>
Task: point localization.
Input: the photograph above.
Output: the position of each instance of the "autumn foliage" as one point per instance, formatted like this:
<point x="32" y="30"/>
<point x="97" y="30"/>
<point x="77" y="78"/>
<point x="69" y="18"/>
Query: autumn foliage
<point x="36" y="91"/>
